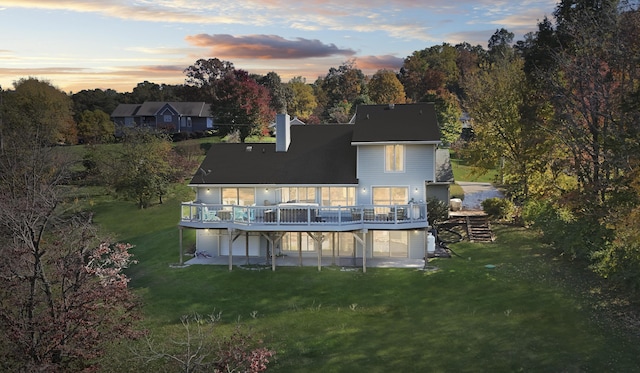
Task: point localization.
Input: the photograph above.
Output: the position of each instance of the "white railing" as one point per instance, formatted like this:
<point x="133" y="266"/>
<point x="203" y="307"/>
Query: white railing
<point x="302" y="214"/>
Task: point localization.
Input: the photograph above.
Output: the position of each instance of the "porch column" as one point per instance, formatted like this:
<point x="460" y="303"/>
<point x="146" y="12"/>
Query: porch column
<point x="180" y="243"/>
<point x="362" y="242"/>
<point x="364" y="251"/>
<point x="246" y="245"/>
<point x="299" y="249"/>
<point x="230" y="232"/>
<point x="317" y="243"/>
<point x="272" y="239"/>
<point x="333" y="248"/>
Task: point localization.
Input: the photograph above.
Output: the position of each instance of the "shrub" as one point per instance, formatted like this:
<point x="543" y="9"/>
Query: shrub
<point x="437" y="211"/>
<point x="499" y="208"/>
<point x="577" y="236"/>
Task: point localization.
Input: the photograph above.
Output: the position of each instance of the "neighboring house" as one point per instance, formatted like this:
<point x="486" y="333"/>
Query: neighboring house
<point x="168" y="116"/>
<point x="294" y="122"/>
<point x="347" y="191"/>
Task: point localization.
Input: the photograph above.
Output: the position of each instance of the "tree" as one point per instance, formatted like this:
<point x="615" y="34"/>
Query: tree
<point x="95" y="127"/>
<point x="430" y="69"/>
<point x="448" y="112"/>
<point x="342" y="89"/>
<point x="201" y="350"/>
<point x="505" y="136"/>
<point x="63" y="295"/>
<point x="242" y="105"/>
<point x="385" y="88"/>
<point x="239" y="103"/>
<point x="148" y="91"/>
<point x="281" y="94"/>
<point x="500" y="45"/>
<point x="95" y="99"/>
<point x="205" y="75"/>
<point x="303" y="101"/>
<point x="141" y="168"/>
<point x="37" y="107"/>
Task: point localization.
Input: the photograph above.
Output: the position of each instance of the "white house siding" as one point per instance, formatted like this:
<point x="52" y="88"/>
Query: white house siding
<point x="418" y="168"/>
<point x="215" y="242"/>
<point x="207" y="241"/>
<point x="239" y="245"/>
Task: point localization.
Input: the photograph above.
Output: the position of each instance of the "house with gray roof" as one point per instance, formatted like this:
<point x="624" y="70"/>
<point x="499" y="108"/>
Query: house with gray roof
<point x="335" y="192"/>
<point x="168" y="116"/>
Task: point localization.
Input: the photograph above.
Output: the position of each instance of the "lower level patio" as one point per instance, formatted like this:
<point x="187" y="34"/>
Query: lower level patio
<point x="306" y="261"/>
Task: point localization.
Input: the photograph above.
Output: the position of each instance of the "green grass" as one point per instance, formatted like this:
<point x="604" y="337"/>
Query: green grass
<point x="464" y="172"/>
<point x="531" y="313"/>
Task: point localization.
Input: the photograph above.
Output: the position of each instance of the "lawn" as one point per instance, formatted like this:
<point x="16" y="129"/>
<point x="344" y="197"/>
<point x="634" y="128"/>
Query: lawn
<point x="530" y="313"/>
<point x="464" y="172"/>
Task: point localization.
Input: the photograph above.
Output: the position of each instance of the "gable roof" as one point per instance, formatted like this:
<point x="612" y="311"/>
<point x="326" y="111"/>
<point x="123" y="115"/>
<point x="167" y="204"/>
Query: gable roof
<point x="396" y="123"/>
<point x="152" y="108"/>
<point x="125" y="110"/>
<point x="318" y="154"/>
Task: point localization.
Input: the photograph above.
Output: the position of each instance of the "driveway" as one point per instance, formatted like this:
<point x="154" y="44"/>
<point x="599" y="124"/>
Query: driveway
<point x="475" y="193"/>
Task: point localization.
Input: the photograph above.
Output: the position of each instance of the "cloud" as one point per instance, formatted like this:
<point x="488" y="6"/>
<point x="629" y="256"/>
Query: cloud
<point x="375" y="63"/>
<point x="265" y="47"/>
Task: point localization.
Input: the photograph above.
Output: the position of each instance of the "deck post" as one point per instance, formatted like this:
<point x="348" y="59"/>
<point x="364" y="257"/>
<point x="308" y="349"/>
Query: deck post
<point x="333" y="248"/>
<point x="364" y="251"/>
<point x="299" y="249"/>
<point x="246" y="245"/>
<point x="180" y="243"/>
<point x="230" y="231"/>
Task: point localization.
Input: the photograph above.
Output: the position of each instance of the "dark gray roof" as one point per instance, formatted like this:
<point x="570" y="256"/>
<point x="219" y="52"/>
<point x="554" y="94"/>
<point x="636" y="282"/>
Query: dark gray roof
<point x="399" y="122"/>
<point x="192" y="109"/>
<point x="444" y="172"/>
<point x="151" y="108"/>
<point x="125" y="110"/>
<point x="318" y="154"/>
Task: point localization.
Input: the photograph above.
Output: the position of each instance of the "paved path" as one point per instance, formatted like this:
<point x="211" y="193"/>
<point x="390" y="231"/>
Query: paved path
<point x="475" y="193"/>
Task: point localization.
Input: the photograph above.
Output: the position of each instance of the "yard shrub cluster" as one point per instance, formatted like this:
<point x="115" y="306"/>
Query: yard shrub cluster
<point x="499" y="208"/>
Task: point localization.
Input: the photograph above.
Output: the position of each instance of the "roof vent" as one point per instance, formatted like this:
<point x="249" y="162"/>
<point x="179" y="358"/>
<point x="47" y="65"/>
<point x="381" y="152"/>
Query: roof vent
<point x="249" y="148"/>
<point x="392" y="106"/>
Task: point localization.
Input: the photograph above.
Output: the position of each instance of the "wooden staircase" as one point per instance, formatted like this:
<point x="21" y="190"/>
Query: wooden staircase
<point x="479" y="229"/>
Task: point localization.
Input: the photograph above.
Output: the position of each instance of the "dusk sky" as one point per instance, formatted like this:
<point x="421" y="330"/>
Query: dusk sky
<point x="88" y="44"/>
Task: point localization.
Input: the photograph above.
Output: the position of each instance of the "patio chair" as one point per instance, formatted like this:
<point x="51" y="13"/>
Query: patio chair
<point x="369" y="214"/>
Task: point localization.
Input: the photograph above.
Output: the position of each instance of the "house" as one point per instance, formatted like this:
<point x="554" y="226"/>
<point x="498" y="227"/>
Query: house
<point x="294" y="122"/>
<point x="350" y="192"/>
<point x="168" y="116"/>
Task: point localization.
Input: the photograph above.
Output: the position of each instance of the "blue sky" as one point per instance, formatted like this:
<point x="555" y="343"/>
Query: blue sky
<point x="88" y="44"/>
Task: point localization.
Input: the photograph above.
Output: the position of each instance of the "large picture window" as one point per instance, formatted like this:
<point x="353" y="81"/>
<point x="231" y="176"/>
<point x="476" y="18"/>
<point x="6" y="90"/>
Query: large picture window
<point x="338" y="196"/>
<point x="238" y="196"/>
<point x="394" y="158"/>
<point x="391" y="244"/>
<point x="299" y="194"/>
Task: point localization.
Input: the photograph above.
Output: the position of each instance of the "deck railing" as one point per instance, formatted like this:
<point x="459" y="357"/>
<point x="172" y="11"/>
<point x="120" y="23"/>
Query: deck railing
<point x="302" y="214"/>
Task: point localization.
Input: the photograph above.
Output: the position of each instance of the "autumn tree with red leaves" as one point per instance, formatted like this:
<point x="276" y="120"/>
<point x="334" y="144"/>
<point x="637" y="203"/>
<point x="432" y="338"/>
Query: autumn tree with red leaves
<point x="239" y="103"/>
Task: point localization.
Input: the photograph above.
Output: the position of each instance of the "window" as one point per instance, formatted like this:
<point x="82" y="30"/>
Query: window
<point x="394" y="158"/>
<point x="168" y="118"/>
<point x="290" y="242"/>
<point x="390" y="195"/>
<point x="338" y="196"/>
<point x="391" y="244"/>
<point x="238" y="196"/>
<point x="298" y="194"/>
